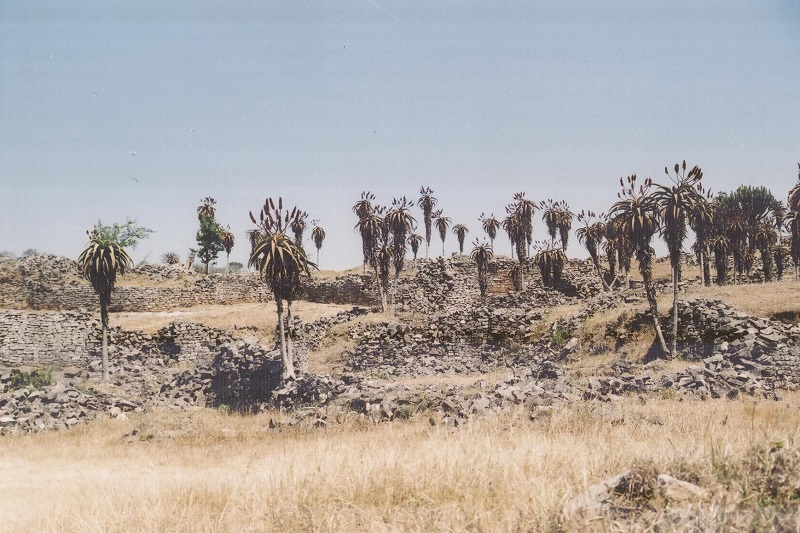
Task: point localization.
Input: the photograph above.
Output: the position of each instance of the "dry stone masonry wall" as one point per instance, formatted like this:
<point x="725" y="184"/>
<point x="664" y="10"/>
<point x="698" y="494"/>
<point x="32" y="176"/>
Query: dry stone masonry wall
<point x="48" y="338"/>
<point x="52" y="283"/>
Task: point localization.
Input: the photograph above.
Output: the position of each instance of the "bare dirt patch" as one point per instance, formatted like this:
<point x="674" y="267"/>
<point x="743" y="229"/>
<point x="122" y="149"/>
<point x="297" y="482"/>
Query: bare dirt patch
<point x="262" y="316"/>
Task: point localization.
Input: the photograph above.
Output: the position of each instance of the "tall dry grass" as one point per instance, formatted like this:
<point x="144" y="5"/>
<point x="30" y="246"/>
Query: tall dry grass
<point x="211" y="471"/>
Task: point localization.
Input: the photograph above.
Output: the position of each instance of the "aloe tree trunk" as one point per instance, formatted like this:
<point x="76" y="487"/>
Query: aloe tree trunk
<point x="381" y="292"/>
<point x="674" y="351"/>
<point x="645" y="268"/>
<point x="289" y="343"/>
<point x="104" y="345"/>
<point x="285" y="374"/>
<point x="104" y="351"/>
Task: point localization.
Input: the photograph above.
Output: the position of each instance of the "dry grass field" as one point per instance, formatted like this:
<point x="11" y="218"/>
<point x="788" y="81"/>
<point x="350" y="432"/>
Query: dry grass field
<point x="212" y="471"/>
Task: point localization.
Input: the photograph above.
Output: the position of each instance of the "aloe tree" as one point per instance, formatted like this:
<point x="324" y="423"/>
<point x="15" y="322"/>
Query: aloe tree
<point x="765" y="240"/>
<point x="99" y="264"/>
<point x="281" y="263"/>
<point x="675" y="203"/>
<point x="507" y="225"/>
<point x="558" y="220"/>
<point x="490" y="225"/>
<point x="206" y="208"/>
<point x="701" y="220"/>
<point x="591" y="235"/>
<point x="414" y="241"/>
<point x="427" y="202"/>
<point x="637" y="215"/>
<point x="613" y="237"/>
<point x="482" y="255"/>
<point x="721" y="247"/>
<point x="793" y="225"/>
<point x="400" y="223"/>
<point x="362" y="209"/>
<point x="298" y="228"/>
<point x="171" y="258"/>
<point x="782" y="252"/>
<point x="318" y="236"/>
<point x="551" y="260"/>
<point x="525" y="208"/>
<point x="228" y="240"/>
<point x="442" y="224"/>
<point x="375" y="236"/>
<point x="460" y="231"/>
<point x="515" y="225"/>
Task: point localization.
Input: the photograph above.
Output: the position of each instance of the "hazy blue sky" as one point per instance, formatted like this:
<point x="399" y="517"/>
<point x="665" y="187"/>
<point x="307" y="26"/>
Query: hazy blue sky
<point x="317" y="101"/>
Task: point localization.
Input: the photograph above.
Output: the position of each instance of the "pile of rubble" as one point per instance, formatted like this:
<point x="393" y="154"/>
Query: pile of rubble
<point x="55" y="407"/>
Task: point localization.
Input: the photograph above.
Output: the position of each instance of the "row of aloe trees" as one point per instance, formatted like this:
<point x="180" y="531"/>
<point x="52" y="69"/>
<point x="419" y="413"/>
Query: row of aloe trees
<point x="280" y="261"/>
<point x="384" y="237"/>
<point x="731" y="224"/>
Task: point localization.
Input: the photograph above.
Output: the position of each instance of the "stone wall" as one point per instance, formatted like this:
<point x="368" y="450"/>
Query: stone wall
<point x="72" y="338"/>
<point x="47" y="339"/>
<point x="52" y="283"/>
<point x="355" y="289"/>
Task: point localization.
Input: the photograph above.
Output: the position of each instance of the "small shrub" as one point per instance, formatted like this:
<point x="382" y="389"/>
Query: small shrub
<point x="560" y="336"/>
<point x="35" y="379"/>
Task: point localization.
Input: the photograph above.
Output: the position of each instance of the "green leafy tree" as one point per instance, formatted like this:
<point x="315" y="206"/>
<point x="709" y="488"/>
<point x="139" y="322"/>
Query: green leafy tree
<point x="741" y="215"/>
<point x="99" y="263"/>
<point x="282" y="264"/>
<point x="127" y="234"/>
<point x="209" y="241"/>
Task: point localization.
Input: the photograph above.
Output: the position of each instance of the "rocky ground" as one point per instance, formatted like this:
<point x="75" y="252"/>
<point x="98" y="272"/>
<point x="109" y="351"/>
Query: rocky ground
<point x="466" y="361"/>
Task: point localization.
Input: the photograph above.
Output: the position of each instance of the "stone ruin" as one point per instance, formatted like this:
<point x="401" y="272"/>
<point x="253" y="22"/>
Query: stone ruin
<point x="443" y="328"/>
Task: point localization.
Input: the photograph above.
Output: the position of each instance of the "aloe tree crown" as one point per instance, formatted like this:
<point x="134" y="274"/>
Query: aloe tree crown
<point x="99" y="264"/>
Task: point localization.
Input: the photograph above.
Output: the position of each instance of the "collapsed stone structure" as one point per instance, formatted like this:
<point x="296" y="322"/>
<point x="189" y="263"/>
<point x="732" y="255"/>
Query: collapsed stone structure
<point x="442" y="328"/>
